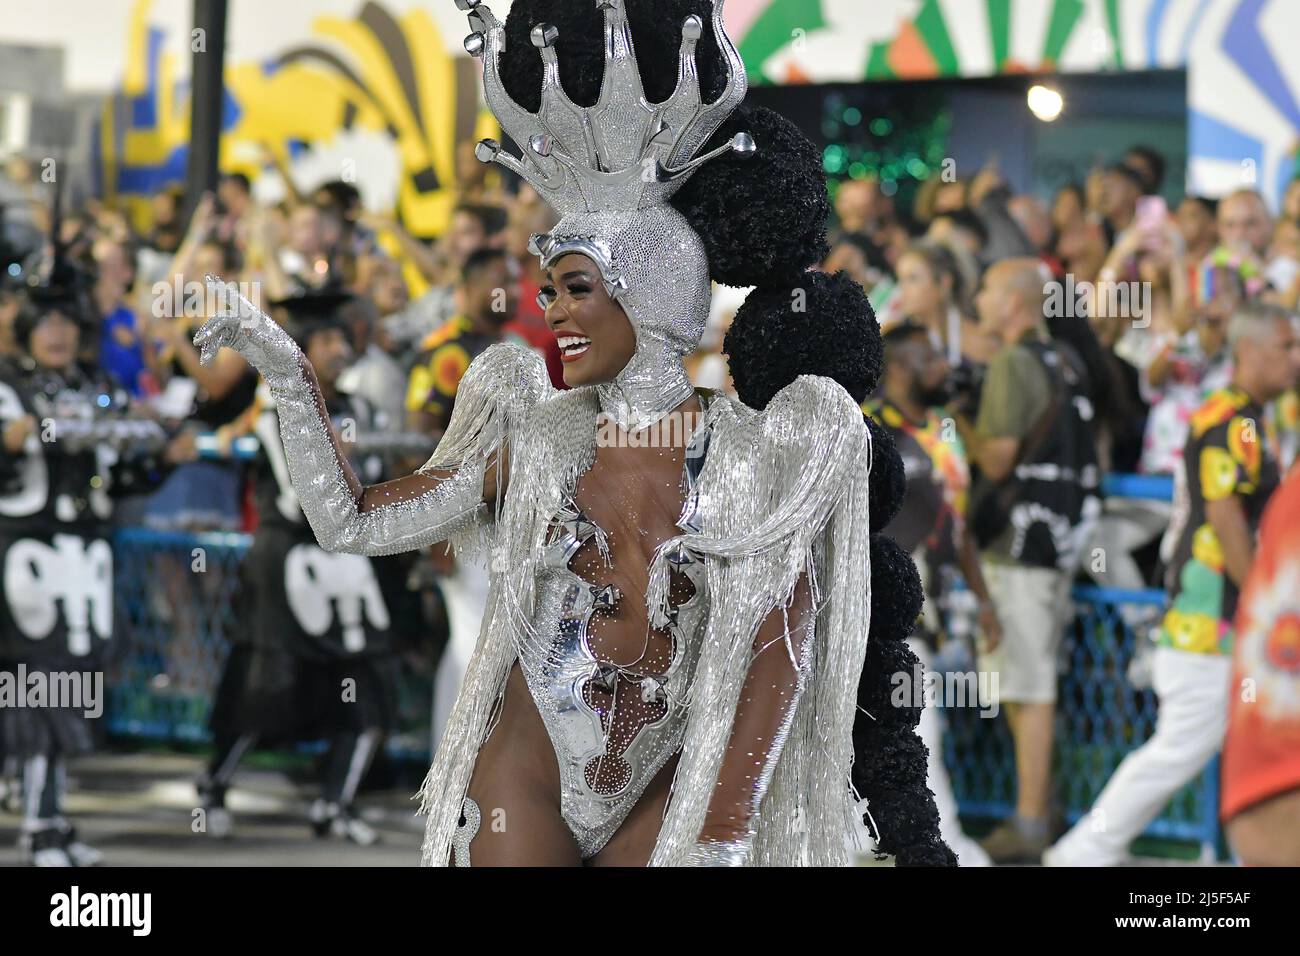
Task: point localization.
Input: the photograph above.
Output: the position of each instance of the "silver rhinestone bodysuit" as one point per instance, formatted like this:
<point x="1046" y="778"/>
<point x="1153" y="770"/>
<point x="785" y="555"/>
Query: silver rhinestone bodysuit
<point x="613" y="727"/>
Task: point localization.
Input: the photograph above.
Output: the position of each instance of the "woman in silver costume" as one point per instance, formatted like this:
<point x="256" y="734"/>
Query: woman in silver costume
<point x="681" y="582"/>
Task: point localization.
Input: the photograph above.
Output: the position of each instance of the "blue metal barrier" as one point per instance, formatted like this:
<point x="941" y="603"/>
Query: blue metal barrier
<point x="1153" y="487"/>
<point x="1100" y="719"/>
<point x="1100" y="716"/>
<point x="173" y="592"/>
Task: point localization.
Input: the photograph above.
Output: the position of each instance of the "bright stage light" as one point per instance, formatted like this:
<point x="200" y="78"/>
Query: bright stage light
<point x="1045" y="102"/>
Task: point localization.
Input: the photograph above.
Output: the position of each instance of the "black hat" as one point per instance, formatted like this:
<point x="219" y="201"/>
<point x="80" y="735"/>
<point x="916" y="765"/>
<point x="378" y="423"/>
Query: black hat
<point x="60" y="287"/>
<point x="314" y="310"/>
<point x="63" y="286"/>
<point x="1129" y="173"/>
<point x="54" y="283"/>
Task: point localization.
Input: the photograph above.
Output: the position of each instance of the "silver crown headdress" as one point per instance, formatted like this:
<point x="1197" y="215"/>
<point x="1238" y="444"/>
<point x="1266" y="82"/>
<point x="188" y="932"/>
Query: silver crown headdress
<point x="609" y="171"/>
<point x="624" y="152"/>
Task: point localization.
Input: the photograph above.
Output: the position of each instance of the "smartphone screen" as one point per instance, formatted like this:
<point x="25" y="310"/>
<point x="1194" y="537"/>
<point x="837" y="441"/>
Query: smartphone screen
<point x="1152" y="214"/>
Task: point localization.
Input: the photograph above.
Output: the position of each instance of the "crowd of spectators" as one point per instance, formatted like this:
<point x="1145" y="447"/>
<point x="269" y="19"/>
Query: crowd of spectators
<point x="1036" y="345"/>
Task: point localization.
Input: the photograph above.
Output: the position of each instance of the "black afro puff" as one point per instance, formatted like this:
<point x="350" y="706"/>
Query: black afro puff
<point x="903" y="810"/>
<point x="823" y="325"/>
<point x="896" y="595"/>
<point x="888" y="482"/>
<point x="878" y="688"/>
<point x="890" y="763"/>
<point x="656" y="35"/>
<point x="763" y="217"/>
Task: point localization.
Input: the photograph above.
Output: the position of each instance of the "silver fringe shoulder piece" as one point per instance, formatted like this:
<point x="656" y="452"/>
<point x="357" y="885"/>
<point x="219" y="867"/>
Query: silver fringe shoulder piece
<point x="443" y="501"/>
<point x="548" y="454"/>
<point x="783" y="493"/>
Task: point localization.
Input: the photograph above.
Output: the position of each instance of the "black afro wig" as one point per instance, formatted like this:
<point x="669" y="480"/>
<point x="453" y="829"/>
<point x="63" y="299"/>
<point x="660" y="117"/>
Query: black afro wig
<point x="896" y="595"/>
<point x="763" y="217"/>
<point x="656" y="35"/>
<point x="824" y="325"/>
<point x="888" y="482"/>
<point x="878" y="689"/>
<point x="890" y="761"/>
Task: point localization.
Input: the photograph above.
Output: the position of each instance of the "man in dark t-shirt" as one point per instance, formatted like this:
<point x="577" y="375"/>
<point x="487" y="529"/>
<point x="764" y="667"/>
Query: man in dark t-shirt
<point x="1034" y="507"/>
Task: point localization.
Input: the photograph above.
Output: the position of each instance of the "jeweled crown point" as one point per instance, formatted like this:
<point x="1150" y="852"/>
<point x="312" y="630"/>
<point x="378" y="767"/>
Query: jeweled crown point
<point x="743" y="145"/>
<point x="588" y="159"/>
<point x="544" y="35"/>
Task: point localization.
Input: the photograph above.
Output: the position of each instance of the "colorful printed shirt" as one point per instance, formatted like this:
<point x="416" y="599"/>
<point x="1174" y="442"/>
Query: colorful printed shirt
<point x="1261" y="754"/>
<point x="1286" y="415"/>
<point x="445" y="355"/>
<point x="938" y="481"/>
<point x="1230" y="451"/>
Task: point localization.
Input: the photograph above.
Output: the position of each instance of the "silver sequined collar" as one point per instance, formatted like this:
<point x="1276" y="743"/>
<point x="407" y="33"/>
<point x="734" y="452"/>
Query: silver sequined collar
<point x="650" y="386"/>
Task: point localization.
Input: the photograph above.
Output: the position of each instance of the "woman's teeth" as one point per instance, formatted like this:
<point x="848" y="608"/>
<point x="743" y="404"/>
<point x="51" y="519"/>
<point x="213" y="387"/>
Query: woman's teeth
<point x="573" y="345"/>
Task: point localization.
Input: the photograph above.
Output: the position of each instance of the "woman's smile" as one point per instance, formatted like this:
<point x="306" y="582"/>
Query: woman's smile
<point x="572" y="346"/>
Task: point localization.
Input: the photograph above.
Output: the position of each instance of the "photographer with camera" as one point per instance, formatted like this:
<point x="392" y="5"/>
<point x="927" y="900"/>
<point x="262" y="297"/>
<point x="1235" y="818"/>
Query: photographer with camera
<point x="931" y="526"/>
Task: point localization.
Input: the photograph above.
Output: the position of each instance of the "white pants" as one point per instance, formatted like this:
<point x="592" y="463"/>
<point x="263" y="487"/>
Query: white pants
<point x="465" y="594"/>
<point x="1193" y="692"/>
<point x="930" y="730"/>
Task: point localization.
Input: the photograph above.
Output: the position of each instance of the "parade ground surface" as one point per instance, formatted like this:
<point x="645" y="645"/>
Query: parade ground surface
<point x="140" y="810"/>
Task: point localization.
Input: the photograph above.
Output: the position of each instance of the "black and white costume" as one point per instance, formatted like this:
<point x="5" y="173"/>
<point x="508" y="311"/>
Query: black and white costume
<point x="56" y="569"/>
<point x="314" y="654"/>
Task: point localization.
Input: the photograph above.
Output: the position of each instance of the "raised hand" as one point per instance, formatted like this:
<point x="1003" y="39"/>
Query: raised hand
<point x="240" y="325"/>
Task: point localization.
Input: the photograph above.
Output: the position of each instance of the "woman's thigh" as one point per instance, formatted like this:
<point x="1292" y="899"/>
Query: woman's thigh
<point x="514" y="818"/>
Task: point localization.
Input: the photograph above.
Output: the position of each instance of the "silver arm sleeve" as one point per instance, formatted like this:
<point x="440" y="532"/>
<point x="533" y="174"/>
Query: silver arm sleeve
<point x="443" y="500"/>
<point x="401" y="515"/>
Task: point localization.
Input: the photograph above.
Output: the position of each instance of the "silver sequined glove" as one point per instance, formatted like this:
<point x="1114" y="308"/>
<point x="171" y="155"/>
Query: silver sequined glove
<point x="401" y="515"/>
<point x="241" y="326"/>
